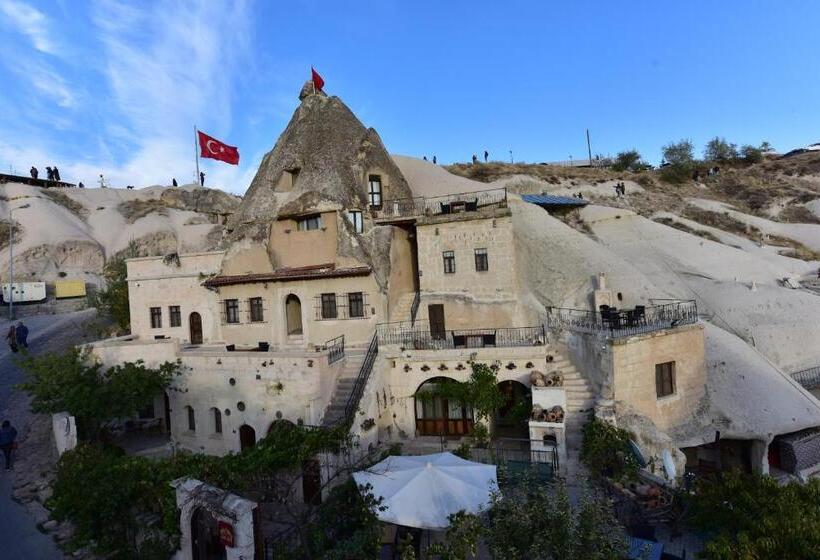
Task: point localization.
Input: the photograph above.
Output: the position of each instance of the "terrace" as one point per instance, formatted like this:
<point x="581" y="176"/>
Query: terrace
<point x="611" y="322"/>
<point x="409" y="209"/>
<point x="420" y="336"/>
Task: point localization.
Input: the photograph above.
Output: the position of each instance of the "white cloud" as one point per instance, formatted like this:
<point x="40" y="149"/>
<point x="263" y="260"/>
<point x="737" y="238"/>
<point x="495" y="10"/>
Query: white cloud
<point x="31" y="22"/>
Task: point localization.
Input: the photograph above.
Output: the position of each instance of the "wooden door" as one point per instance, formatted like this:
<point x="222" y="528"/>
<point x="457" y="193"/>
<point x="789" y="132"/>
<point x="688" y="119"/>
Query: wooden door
<point x="195" y="327"/>
<point x="205" y="544"/>
<point x="435" y="313"/>
<point x="247" y="437"/>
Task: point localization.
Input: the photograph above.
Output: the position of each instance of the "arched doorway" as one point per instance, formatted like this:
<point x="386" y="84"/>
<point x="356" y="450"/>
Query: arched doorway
<point x="512" y="419"/>
<point x="247" y="437"/>
<point x="436" y="415"/>
<point x="280" y="425"/>
<point x="195" y="327"/>
<point x="205" y="544"/>
<point x="293" y="315"/>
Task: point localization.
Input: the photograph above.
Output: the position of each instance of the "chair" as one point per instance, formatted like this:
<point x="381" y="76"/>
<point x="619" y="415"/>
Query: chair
<point x="264" y="346"/>
<point x="471" y="205"/>
<point x="640" y="314"/>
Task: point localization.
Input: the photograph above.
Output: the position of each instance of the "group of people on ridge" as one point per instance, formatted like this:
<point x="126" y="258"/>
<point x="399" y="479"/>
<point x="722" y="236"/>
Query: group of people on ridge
<point x="52" y="172"/>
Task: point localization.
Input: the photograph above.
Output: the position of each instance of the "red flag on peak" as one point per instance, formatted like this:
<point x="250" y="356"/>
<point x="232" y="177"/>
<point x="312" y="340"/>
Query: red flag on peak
<point x="318" y="82"/>
<point x="212" y="148"/>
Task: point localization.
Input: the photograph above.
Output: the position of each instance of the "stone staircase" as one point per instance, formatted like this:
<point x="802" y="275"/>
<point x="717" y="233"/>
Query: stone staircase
<point x="580" y="402"/>
<point x="354" y="356"/>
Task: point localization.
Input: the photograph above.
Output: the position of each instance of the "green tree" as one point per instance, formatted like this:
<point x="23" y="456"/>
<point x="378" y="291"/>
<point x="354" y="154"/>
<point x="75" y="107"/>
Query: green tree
<point x="718" y="149"/>
<point x="605" y="450"/>
<point x="765" y="146"/>
<point x="751" y="154"/>
<point x="74" y="383"/>
<point x="753" y="516"/>
<point x="113" y="298"/>
<point x="679" y="153"/>
<point x="463" y="534"/>
<point x="629" y="160"/>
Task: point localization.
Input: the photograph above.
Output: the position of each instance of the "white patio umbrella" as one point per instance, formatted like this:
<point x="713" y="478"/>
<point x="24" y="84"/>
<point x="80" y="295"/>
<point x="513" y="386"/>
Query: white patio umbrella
<point x="423" y="490"/>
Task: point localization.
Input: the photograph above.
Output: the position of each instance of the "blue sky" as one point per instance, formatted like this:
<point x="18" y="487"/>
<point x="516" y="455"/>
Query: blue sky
<point x="116" y="87"/>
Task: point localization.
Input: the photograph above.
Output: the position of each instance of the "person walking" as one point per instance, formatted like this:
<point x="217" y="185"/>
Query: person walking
<point x="8" y="443"/>
<point x="201" y="178"/>
<point x="434" y="160"/>
<point x="34" y="172"/>
<point x="486" y="155"/>
<point x="22" y="334"/>
<point x="11" y="337"/>
<point x="56" y="173"/>
<point x="174" y="182"/>
<point x="50" y="173"/>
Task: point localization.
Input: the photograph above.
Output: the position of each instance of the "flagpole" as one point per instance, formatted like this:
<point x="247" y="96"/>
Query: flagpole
<point x="196" y="154"/>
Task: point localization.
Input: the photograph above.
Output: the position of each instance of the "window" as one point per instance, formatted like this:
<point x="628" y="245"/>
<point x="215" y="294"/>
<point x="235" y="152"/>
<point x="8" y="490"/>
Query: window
<point x="374" y="190"/>
<point x="156" y="317"/>
<point x="217" y="421"/>
<point x="449" y="262"/>
<point x="328" y="306"/>
<point x="356" y="221"/>
<point x="257" y="313"/>
<point x="309" y="223"/>
<point x="231" y="311"/>
<point x="175" y="316"/>
<point x="481" y="262"/>
<point x="191" y="419"/>
<point x="665" y="379"/>
<point x="355" y="304"/>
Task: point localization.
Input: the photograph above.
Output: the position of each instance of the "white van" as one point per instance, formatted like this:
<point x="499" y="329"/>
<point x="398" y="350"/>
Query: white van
<point x="25" y="292"/>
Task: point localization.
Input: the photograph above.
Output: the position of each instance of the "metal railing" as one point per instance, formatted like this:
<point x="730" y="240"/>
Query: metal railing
<point x="414" y="307"/>
<point x="361" y="380"/>
<point x="335" y="349"/>
<point x="622" y="323"/>
<point x="420" y="336"/>
<point x="512" y="450"/>
<point x="808" y="378"/>
<point x="437" y="205"/>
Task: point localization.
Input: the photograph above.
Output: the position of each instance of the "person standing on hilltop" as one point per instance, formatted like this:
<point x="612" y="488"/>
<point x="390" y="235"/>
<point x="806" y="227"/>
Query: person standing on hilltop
<point x="434" y="160"/>
<point x="486" y="155"/>
<point x="56" y="173"/>
<point x="34" y="172"/>
<point x="174" y="182"/>
<point x="475" y="159"/>
<point x="50" y="173"/>
<point x="201" y="178"/>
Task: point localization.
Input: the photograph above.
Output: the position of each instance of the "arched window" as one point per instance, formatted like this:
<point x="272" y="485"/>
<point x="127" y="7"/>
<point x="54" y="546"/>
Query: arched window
<point x="217" y="420"/>
<point x="438" y="415"/>
<point x="191" y="418"/>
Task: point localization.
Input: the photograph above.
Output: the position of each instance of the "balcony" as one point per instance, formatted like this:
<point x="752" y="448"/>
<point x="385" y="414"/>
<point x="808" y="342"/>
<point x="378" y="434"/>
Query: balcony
<point x="408" y="209"/>
<point x="420" y="336"/>
<point x="615" y="323"/>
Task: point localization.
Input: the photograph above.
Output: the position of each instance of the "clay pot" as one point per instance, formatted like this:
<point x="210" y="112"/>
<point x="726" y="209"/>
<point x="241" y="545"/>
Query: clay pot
<point x="550" y="416"/>
<point x="537" y="411"/>
<point x="537" y="378"/>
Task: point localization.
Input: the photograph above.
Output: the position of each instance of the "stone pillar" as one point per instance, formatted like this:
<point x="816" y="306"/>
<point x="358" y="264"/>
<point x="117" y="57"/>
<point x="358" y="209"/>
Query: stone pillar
<point x="225" y="507"/>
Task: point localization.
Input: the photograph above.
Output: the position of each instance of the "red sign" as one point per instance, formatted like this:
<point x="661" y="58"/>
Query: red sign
<point x="225" y="533"/>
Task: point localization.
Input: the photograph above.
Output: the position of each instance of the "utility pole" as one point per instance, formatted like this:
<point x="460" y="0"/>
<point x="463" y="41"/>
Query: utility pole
<point x="11" y="258"/>
<point x="589" y="149"/>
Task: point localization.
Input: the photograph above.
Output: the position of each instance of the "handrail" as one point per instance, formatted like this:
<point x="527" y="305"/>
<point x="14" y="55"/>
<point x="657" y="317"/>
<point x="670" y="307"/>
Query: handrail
<point x="435" y="205"/>
<point x="414" y="307"/>
<point x="808" y="378"/>
<point x="623" y="323"/>
<point x="335" y="348"/>
<point x="361" y="380"/>
<point x="422" y="337"/>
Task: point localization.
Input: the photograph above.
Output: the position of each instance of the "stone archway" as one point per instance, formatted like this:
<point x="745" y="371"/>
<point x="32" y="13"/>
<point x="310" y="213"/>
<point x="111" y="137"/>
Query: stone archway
<point x="439" y="416"/>
<point x="512" y="419"/>
<point x="293" y="315"/>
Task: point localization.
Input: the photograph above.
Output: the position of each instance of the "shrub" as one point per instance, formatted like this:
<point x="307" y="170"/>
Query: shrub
<point x="751" y="154"/>
<point x="629" y="160"/>
<point x="718" y="149"/>
<point x="605" y="450"/>
<point x="679" y="153"/>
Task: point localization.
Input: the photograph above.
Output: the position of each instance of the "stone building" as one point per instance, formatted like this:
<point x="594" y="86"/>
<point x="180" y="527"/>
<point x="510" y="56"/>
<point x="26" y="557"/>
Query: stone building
<point x="340" y="294"/>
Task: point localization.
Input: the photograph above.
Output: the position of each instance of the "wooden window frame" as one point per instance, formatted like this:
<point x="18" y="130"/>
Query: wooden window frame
<point x="355" y="305"/>
<point x="482" y="260"/>
<point x="231" y="305"/>
<point x="156" y="317"/>
<point x="309" y="223"/>
<point x="665" y="383"/>
<point x="449" y="258"/>
<point x="217" y="420"/>
<point x="256" y="310"/>
<point x="329" y="309"/>
<point x="374" y="196"/>
<point x="191" y="418"/>
<point x="356" y="218"/>
<point x="174" y="316"/>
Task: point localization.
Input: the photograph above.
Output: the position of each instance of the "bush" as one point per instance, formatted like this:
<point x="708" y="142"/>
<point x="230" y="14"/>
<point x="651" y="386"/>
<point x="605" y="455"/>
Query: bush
<point x="679" y="153"/>
<point x="629" y="160"/>
<point x="751" y="154"/>
<point x="606" y="451"/>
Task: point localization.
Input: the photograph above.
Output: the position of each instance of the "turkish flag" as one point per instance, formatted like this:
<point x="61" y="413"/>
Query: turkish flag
<point x="212" y="148"/>
<point x="318" y="82"/>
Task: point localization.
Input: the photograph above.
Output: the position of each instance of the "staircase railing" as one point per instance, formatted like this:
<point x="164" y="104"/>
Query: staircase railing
<point x="808" y="378"/>
<point x="335" y="349"/>
<point x="414" y="307"/>
<point x="361" y="380"/>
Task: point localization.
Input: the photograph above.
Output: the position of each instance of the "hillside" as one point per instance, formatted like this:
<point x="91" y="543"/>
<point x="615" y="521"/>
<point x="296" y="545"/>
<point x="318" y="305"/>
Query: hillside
<point x="70" y="232"/>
